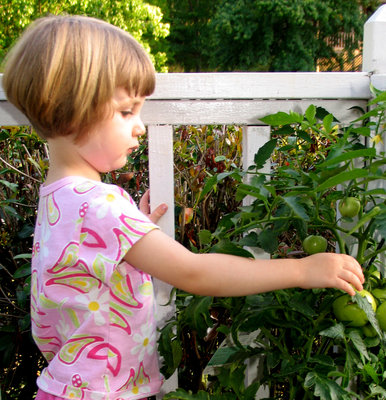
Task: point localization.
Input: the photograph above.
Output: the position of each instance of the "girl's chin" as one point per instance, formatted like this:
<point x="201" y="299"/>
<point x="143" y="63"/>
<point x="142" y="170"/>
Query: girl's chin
<point x="111" y="168"/>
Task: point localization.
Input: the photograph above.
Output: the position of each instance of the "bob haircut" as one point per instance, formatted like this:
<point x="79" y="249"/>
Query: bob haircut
<point x="63" y="71"/>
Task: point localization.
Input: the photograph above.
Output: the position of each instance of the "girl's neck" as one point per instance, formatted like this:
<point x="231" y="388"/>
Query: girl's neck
<point x="65" y="161"/>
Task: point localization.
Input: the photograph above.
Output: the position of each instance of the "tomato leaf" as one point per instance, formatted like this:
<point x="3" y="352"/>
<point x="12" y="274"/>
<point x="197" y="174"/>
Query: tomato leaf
<point x="197" y="315"/>
<point x="350" y="155"/>
<point x="171" y="349"/>
<point x="366" y="217"/>
<point x="322" y="359"/>
<point x="359" y="344"/>
<point x="372" y="373"/>
<point x="264" y="153"/>
<point x="282" y="118"/>
<point x="324" y="388"/>
<point x="310" y="114"/>
<point x="223" y="355"/>
<point x="268" y="241"/>
<point x="225" y="246"/>
<point x="298" y="303"/>
<point x="334" y="332"/>
<point x="297" y="208"/>
<point x="341" y="178"/>
<point x="367" y="308"/>
<point x="205" y="236"/>
<point x="181" y="394"/>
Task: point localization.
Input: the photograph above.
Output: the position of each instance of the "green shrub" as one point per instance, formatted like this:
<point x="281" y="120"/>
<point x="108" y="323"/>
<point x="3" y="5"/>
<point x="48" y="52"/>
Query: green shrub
<point x="304" y="351"/>
<point x="23" y="166"/>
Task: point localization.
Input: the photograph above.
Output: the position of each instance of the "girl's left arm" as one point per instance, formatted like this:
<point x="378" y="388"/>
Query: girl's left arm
<point x="226" y="275"/>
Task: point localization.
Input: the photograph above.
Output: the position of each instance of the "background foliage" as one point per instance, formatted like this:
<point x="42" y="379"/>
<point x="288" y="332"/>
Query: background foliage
<point x="142" y="20"/>
<point x="263" y="35"/>
<point x="23" y="164"/>
<point x="219" y="35"/>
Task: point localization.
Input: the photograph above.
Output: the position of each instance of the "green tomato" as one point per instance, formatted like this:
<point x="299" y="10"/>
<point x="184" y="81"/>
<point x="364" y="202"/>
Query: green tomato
<point x="380" y="294"/>
<point x="314" y="244"/>
<point x="346" y="310"/>
<point x="381" y="316"/>
<point x="369" y="331"/>
<point x="349" y="207"/>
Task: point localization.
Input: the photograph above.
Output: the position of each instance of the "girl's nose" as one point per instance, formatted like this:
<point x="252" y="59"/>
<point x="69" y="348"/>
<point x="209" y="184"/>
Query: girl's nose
<point x="139" y="128"/>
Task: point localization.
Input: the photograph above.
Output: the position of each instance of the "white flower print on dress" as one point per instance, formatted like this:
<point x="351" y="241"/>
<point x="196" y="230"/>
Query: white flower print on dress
<point x="145" y="341"/>
<point x="94" y="304"/>
<point x="63" y="329"/>
<point x="105" y="203"/>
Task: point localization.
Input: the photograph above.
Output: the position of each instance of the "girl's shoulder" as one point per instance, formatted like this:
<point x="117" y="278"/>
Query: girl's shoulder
<point x="80" y="186"/>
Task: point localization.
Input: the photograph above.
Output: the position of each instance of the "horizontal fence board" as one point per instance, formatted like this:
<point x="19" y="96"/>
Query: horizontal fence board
<point x="224" y="112"/>
<point x="241" y="112"/>
<point x="263" y="85"/>
<point x="259" y="85"/>
<point x="10" y="115"/>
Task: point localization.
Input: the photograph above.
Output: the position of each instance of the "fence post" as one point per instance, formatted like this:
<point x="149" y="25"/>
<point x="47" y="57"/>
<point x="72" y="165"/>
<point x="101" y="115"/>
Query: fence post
<point x="374" y="43"/>
<point x="161" y="177"/>
<point x="374" y="61"/>
<point x="374" y="53"/>
<point x="254" y="137"/>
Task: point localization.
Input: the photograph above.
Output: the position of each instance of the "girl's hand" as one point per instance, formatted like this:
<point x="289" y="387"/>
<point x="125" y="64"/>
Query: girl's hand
<point x="332" y="270"/>
<point x="144" y="206"/>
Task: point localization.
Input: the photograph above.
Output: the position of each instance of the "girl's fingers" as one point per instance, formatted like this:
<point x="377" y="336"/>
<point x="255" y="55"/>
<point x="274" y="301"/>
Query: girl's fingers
<point x="352" y="279"/>
<point x="347" y="288"/>
<point x="144" y="202"/>
<point x="158" y="213"/>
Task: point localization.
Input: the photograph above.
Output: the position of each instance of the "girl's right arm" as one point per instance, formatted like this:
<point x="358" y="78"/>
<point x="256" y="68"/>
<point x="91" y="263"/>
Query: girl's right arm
<point x="226" y="275"/>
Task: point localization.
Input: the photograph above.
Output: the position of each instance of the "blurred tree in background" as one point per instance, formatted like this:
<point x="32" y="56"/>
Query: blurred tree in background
<point x="264" y="35"/>
<point x="190" y="32"/>
<point x="220" y="35"/>
<point x="142" y="20"/>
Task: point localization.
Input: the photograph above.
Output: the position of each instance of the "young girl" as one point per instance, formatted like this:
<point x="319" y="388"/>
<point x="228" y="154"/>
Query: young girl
<point x="82" y="83"/>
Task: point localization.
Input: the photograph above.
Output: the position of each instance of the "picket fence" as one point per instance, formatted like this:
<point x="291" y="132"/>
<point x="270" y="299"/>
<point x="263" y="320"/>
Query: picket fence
<point x="240" y="99"/>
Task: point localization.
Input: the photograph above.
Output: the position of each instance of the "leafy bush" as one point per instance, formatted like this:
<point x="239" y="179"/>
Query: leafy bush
<point x="304" y="350"/>
<point x="24" y="163"/>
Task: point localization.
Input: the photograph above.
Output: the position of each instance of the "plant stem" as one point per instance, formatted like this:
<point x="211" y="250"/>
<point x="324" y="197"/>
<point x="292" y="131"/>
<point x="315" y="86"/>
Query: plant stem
<point x="374" y="253"/>
<point x="340" y="241"/>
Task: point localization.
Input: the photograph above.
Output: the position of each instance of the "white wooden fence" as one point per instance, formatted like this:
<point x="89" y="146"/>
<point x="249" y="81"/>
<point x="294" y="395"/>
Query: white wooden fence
<point x="242" y="99"/>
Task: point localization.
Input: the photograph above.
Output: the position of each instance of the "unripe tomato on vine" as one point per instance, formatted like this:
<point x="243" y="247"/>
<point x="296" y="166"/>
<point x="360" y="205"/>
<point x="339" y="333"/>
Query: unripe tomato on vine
<point x="348" y="311"/>
<point x="381" y="316"/>
<point x="313" y="244"/>
<point x="349" y="207"/>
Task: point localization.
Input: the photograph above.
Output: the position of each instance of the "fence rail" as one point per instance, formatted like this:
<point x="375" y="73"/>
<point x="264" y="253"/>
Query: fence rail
<point x="241" y="99"/>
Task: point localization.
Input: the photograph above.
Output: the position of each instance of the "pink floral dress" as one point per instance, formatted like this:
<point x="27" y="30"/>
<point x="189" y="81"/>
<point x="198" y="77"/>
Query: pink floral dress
<point x="92" y="313"/>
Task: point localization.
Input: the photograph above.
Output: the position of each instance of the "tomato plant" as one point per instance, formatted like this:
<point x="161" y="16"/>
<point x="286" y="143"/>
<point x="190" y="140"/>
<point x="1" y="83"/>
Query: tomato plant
<point x="305" y="352"/>
<point x="349" y="207"/>
<point x="314" y="244"/>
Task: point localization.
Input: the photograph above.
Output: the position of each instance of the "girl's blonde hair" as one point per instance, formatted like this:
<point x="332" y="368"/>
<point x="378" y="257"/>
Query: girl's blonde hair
<point x="64" y="69"/>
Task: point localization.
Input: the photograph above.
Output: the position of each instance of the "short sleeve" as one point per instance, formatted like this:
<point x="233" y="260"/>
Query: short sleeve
<point x="111" y="225"/>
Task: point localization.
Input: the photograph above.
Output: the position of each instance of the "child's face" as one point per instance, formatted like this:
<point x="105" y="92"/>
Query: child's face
<point x="113" y="139"/>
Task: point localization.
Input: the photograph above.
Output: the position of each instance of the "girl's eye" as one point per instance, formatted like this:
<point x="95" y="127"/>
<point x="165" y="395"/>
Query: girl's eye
<point x="126" y="113"/>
